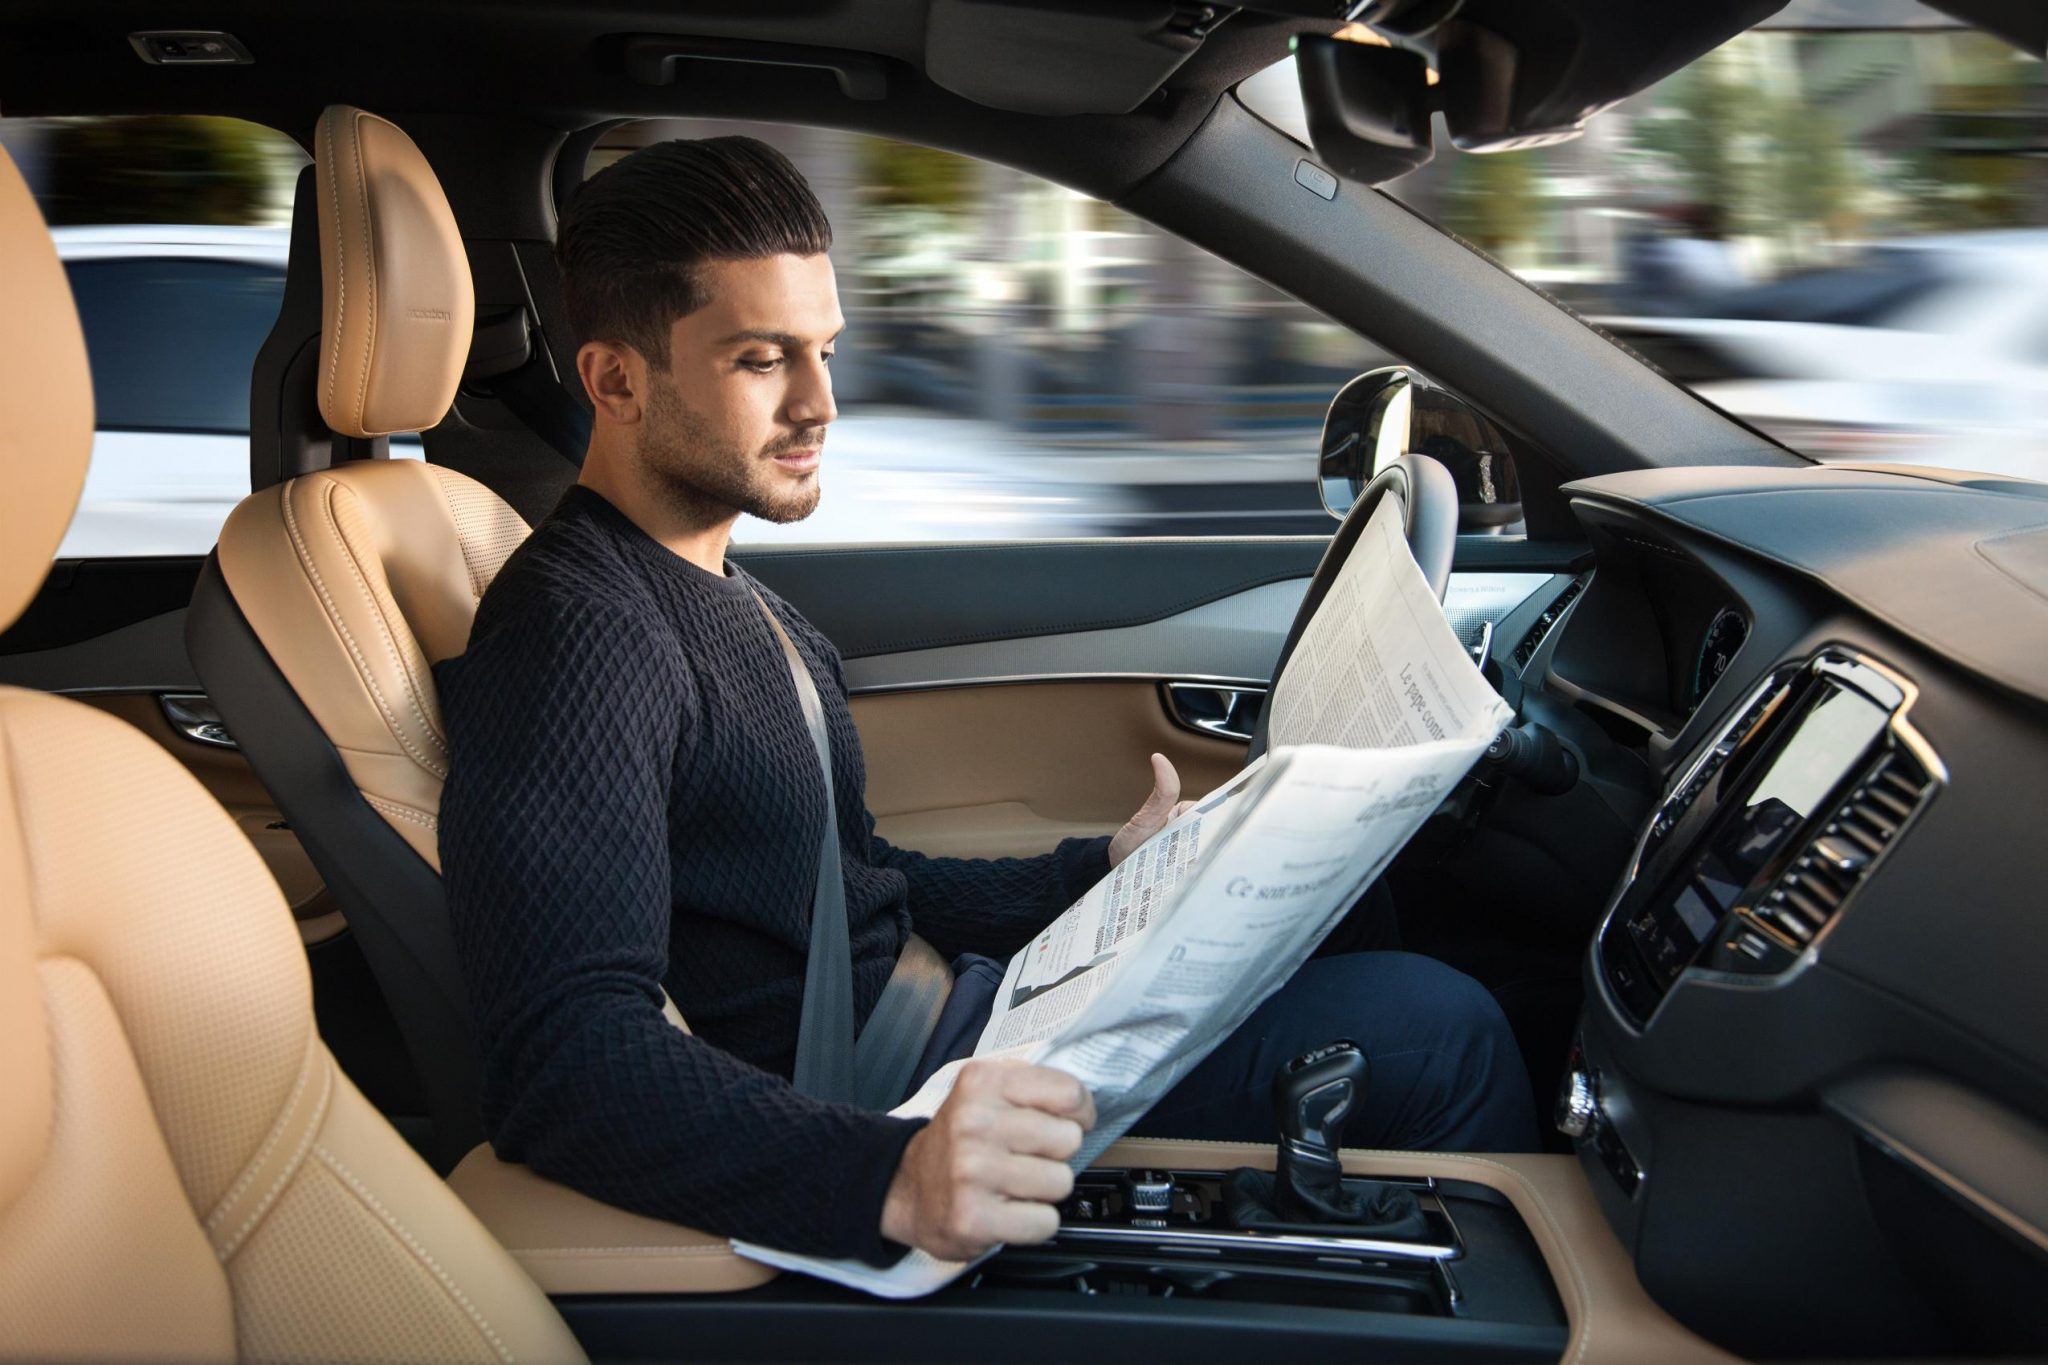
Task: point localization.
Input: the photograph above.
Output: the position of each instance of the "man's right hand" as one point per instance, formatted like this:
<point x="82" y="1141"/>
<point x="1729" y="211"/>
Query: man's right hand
<point x="991" y="1164"/>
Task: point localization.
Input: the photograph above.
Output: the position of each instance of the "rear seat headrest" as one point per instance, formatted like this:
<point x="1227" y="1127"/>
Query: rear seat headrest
<point x="45" y="397"/>
<point x="399" y="307"/>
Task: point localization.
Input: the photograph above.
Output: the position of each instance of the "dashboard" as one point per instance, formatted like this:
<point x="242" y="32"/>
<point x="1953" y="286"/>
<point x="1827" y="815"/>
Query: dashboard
<point x="1810" y="1083"/>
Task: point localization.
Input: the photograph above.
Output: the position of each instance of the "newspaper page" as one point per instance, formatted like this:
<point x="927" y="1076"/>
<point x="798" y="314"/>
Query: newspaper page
<point x="1135" y="984"/>
<point x="1378" y="668"/>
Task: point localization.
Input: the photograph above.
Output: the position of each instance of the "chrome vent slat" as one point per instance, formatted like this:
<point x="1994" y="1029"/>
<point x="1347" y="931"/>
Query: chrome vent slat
<point x="1826" y="872"/>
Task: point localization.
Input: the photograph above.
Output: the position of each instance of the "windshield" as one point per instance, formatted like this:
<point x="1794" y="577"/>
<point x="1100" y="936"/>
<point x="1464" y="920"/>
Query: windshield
<point x="1840" y="237"/>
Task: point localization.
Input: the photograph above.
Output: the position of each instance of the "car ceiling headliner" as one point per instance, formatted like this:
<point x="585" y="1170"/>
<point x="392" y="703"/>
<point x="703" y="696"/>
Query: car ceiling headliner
<point x="559" y="66"/>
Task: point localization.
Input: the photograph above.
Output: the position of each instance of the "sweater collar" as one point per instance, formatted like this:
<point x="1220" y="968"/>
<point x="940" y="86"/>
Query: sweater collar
<point x="587" y="500"/>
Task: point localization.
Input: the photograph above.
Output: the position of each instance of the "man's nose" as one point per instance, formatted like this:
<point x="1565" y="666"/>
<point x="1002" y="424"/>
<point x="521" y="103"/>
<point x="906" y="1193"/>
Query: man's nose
<point x="810" y="399"/>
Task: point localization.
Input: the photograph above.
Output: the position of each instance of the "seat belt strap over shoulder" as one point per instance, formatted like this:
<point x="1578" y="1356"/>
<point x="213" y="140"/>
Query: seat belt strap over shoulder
<point x="829" y="1064"/>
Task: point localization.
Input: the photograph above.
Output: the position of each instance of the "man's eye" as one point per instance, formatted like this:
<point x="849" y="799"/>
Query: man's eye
<point x="759" y="365"/>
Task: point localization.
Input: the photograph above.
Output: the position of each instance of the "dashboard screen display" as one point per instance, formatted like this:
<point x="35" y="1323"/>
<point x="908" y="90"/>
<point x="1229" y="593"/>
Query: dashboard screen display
<point x="1830" y="739"/>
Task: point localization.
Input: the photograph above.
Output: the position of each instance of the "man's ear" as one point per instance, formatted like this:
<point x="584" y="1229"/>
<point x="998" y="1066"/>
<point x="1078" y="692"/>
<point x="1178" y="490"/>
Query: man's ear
<point x="615" y="377"/>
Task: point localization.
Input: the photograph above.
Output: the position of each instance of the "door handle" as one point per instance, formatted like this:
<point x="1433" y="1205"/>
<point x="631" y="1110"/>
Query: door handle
<point x="1224" y="710"/>
<point x="192" y="715"/>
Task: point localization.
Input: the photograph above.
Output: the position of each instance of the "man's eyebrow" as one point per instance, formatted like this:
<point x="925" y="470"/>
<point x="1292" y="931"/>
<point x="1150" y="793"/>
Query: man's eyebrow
<point x="787" y="340"/>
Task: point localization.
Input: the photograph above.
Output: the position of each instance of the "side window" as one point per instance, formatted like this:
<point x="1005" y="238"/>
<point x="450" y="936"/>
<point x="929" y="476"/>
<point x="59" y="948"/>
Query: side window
<point x="1023" y="361"/>
<point x="171" y="339"/>
<point x="173" y="231"/>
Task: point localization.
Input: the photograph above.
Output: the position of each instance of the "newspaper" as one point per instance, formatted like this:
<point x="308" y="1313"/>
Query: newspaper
<point x="1136" y="983"/>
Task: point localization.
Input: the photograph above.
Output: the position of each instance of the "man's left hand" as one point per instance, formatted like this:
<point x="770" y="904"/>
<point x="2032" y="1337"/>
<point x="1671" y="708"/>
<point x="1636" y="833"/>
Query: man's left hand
<point x="1161" y="808"/>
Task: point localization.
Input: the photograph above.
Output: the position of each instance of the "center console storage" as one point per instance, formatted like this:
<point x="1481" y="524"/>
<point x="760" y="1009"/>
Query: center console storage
<point x="1514" y="1262"/>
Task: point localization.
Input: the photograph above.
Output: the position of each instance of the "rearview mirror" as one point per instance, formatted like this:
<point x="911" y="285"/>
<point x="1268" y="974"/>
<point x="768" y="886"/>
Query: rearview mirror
<point x="1367" y="107"/>
<point x="1387" y="413"/>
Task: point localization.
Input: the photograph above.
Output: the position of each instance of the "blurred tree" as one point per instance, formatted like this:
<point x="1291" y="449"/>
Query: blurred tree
<point x="1706" y="116"/>
<point x="1495" y="200"/>
<point x="1808" y="181"/>
<point x="904" y="175"/>
<point x="165" y="169"/>
<point x="1974" y="161"/>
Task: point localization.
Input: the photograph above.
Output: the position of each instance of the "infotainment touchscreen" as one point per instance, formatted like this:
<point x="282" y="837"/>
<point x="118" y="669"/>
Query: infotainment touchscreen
<point x="1826" y="743"/>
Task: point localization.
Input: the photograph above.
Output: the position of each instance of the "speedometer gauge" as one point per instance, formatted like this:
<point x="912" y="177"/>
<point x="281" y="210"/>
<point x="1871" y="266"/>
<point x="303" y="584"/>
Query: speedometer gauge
<point x="1717" y="650"/>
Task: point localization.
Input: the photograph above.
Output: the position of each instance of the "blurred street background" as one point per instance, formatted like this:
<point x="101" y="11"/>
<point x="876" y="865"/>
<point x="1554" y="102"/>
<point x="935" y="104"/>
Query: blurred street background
<point x="1839" y="235"/>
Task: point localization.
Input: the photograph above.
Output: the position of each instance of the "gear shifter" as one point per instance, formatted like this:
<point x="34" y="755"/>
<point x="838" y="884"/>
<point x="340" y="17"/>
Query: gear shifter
<point x="1312" y="1097"/>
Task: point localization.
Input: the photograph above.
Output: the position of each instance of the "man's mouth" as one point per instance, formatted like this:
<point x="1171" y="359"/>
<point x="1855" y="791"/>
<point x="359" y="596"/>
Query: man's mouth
<point x="801" y="461"/>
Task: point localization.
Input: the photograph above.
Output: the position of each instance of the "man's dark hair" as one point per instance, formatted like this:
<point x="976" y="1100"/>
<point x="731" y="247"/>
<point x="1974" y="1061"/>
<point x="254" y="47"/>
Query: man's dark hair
<point x="632" y="239"/>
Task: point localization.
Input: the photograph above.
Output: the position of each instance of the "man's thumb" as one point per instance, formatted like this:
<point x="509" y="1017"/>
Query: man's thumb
<point x="1165" y="787"/>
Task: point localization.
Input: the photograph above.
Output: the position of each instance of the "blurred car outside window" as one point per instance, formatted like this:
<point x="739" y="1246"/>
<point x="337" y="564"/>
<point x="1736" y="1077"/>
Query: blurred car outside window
<point x="173" y="231"/>
<point x="1833" y="227"/>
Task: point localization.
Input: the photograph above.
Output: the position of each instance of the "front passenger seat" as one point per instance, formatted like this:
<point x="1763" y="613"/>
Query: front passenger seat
<point x="184" y="1172"/>
<point x="333" y="591"/>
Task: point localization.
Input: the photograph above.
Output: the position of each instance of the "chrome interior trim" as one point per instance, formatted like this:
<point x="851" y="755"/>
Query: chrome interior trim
<point x="1180" y="1238"/>
<point x="1022" y="679"/>
<point x="192" y="714"/>
<point x="1234" y="722"/>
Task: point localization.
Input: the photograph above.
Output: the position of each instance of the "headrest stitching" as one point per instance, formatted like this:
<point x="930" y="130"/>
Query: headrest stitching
<point x="332" y="176"/>
<point x="355" y="128"/>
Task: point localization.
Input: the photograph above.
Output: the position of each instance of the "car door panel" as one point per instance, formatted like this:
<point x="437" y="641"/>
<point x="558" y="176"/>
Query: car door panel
<point x="1011" y="769"/>
<point x="1035" y="724"/>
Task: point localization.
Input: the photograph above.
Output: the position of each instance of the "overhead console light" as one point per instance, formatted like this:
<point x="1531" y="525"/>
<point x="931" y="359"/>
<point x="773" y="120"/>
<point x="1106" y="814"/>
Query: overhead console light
<point x="1062" y="56"/>
<point x="1505" y="74"/>
<point x="651" y="59"/>
<point x="189" y="47"/>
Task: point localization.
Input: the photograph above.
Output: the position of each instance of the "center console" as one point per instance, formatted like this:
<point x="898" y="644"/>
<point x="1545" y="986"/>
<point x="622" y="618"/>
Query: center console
<point x="1768" y="833"/>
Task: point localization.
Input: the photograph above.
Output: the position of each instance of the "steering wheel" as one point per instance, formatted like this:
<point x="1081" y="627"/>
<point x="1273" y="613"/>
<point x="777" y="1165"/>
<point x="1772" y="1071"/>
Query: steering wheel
<point x="1428" y="498"/>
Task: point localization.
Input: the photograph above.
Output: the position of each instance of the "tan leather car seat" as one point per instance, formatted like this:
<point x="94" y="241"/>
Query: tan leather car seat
<point x="332" y="594"/>
<point x="184" y="1173"/>
<point x="359" y="578"/>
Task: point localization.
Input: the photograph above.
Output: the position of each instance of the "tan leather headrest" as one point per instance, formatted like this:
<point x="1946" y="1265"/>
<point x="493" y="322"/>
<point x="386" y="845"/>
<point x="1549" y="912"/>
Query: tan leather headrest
<point x="399" y="307"/>
<point x="45" y="397"/>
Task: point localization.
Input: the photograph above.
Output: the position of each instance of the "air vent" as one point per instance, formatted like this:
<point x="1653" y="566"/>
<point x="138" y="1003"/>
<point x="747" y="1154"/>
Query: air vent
<point x="1533" y="641"/>
<point x="1828" y="870"/>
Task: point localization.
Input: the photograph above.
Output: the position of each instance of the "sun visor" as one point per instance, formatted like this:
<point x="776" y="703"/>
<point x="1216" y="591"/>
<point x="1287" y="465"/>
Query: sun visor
<point x="1059" y="56"/>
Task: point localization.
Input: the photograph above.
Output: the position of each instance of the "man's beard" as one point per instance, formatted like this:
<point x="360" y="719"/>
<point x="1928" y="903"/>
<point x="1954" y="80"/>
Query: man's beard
<point x="707" y="478"/>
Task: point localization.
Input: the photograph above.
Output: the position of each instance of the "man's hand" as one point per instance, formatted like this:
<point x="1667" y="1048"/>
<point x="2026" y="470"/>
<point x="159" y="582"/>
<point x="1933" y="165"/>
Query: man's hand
<point x="1161" y="808"/>
<point x="991" y="1164"/>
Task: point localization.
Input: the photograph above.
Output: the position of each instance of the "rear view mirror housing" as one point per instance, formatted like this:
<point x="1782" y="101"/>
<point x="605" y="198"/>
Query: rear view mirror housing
<point x="1368" y="107"/>
<point x="1387" y="413"/>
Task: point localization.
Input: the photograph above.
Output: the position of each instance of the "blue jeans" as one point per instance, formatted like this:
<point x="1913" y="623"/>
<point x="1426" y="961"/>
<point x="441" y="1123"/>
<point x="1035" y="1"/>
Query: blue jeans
<point x="1446" y="1074"/>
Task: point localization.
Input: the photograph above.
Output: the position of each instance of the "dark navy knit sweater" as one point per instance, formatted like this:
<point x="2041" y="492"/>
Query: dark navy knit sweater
<point x="634" y="804"/>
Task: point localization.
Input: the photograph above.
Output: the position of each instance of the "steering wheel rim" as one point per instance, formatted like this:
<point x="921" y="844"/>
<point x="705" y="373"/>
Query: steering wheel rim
<point x="1428" y="497"/>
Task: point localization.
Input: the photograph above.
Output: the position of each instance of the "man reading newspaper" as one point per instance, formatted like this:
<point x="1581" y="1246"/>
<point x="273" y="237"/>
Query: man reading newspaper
<point x="634" y="809"/>
<point x="1149" y="989"/>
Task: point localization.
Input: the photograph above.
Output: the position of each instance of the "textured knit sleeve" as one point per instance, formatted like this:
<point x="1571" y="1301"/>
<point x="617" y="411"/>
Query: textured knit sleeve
<point x="565" y="719"/>
<point x="991" y="905"/>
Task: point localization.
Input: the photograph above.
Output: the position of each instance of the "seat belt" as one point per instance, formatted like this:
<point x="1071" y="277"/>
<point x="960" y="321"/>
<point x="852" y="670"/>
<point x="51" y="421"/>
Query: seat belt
<point x="830" y="1065"/>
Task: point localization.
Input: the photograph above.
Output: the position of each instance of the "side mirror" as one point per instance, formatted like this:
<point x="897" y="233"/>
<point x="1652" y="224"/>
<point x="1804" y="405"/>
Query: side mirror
<point x="1385" y="414"/>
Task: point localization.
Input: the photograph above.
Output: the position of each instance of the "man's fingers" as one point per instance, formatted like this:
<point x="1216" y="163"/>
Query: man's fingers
<point x="1025" y="1221"/>
<point x="1033" y="1132"/>
<point x="1055" y="1092"/>
<point x="1030" y="1177"/>
<point x="1182" y="809"/>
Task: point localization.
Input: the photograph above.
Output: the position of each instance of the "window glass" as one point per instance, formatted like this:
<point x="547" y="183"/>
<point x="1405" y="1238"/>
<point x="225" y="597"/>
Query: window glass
<point x="1021" y="360"/>
<point x="173" y="231"/>
<point x="172" y="339"/>
<point x="1837" y="235"/>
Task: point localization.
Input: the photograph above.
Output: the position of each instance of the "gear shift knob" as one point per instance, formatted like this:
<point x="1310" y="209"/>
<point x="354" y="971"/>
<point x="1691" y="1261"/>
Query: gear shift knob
<point x="1312" y="1097"/>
